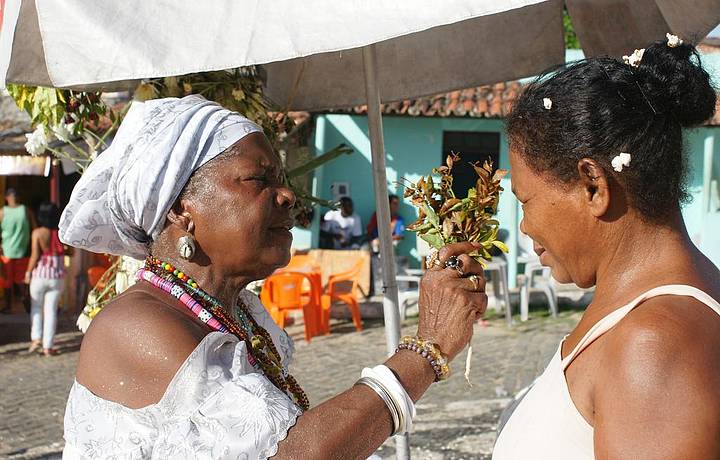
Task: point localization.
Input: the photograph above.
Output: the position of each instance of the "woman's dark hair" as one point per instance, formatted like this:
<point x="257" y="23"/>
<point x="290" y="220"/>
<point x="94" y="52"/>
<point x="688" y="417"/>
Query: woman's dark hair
<point x="48" y="215"/>
<point x="602" y="107"/>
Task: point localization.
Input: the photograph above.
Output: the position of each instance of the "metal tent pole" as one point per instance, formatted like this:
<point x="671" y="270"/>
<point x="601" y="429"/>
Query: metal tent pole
<point x="387" y="256"/>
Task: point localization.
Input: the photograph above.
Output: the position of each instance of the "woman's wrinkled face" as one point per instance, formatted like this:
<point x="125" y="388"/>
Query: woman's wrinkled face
<point x="244" y="220"/>
<point x="555" y="217"/>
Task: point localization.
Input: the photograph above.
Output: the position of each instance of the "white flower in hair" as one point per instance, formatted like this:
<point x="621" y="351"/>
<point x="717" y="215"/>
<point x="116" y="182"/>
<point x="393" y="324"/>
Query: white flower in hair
<point x="635" y="58"/>
<point x="620" y="161"/>
<point x="547" y="103"/>
<point x="673" y="40"/>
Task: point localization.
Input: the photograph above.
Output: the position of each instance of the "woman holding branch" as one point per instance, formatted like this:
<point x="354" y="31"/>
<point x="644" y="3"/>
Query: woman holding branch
<point x="187" y="363"/>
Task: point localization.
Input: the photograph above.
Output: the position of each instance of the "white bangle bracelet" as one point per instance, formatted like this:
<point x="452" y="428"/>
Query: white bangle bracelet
<point x="385" y="377"/>
<point x="377" y="387"/>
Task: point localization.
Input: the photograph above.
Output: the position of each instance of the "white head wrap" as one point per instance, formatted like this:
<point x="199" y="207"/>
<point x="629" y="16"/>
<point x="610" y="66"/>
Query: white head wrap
<point x="120" y="204"/>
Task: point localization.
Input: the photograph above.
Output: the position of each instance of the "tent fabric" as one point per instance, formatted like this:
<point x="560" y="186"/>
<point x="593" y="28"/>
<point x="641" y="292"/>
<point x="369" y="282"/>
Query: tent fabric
<point x="311" y="52"/>
<point x="135" y="39"/>
<point x="618" y="27"/>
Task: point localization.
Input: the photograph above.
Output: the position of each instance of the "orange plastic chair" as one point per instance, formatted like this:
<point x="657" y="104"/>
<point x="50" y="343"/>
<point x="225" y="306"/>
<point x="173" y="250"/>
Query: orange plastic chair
<point x="283" y="292"/>
<point x="301" y="261"/>
<point x="94" y="274"/>
<point x="343" y="287"/>
<point x="304" y="263"/>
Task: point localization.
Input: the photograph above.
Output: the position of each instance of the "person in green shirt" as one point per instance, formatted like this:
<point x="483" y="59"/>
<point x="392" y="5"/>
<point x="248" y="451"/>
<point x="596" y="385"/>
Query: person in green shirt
<point x="16" y="223"/>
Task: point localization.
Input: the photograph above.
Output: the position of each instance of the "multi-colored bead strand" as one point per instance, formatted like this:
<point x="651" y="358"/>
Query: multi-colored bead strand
<point x="261" y="348"/>
<point x="175" y="286"/>
<point x="213" y="304"/>
<point x="171" y="288"/>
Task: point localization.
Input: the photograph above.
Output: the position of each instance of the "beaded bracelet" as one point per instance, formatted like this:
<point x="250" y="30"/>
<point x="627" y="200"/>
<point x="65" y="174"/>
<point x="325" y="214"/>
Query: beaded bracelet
<point x="429" y="351"/>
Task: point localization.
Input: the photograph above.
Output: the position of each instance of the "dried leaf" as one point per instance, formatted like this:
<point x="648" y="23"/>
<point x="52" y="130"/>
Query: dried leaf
<point x="447" y="226"/>
<point x="435" y="241"/>
<point x="444" y="218"/>
<point x="501" y="246"/>
<point x="499" y="174"/>
<point x="449" y="205"/>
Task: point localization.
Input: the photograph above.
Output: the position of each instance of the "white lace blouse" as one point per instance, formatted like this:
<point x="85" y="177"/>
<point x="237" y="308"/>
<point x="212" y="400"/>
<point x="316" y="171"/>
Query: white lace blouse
<point x="216" y="406"/>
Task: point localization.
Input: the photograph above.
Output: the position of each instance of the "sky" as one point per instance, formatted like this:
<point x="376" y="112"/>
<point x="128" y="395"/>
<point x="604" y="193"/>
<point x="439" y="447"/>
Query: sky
<point x="715" y="32"/>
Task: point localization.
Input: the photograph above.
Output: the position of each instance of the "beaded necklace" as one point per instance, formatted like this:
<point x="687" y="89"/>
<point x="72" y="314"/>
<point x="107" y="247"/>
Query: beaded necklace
<point x="183" y="296"/>
<point x="262" y="353"/>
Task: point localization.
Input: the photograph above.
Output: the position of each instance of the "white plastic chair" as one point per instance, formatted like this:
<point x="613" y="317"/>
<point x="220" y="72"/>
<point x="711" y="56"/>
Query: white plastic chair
<point x="498" y="268"/>
<point x="536" y="278"/>
<point x="408" y="280"/>
<point x="408" y="293"/>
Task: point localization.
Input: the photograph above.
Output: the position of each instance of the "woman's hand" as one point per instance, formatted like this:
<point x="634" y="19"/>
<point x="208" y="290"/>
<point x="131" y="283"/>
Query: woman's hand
<point x="450" y="303"/>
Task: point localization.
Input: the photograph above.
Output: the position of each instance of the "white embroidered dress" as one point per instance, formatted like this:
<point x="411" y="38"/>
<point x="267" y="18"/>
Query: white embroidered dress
<point x="216" y="406"/>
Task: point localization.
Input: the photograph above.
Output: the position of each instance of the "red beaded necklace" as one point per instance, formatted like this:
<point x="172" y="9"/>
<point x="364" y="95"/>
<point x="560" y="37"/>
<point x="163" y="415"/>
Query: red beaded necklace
<point x="257" y="340"/>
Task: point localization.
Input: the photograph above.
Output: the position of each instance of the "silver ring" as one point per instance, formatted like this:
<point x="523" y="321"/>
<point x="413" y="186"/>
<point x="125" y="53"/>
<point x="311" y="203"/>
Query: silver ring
<point x="475" y="281"/>
<point x="454" y="262"/>
<point x="433" y="259"/>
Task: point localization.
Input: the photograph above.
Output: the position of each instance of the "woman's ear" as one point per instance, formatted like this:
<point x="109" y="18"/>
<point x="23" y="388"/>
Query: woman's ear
<point x="180" y="216"/>
<point x="596" y="186"/>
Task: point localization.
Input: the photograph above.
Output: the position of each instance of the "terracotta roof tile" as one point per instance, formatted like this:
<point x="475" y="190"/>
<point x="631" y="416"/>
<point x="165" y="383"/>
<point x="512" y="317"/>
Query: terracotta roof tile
<point x="488" y="101"/>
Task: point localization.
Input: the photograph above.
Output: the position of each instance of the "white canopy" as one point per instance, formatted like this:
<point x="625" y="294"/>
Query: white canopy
<point x="423" y="46"/>
<point x="329" y="53"/>
<point x="313" y="48"/>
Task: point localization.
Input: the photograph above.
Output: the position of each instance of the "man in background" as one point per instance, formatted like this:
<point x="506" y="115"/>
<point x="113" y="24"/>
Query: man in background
<point x="397" y="225"/>
<point x="16" y="223"/>
<point x="343" y="226"/>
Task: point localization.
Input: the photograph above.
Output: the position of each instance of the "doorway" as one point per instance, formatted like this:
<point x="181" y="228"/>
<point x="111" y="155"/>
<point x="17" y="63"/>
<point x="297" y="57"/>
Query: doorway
<point x="472" y="146"/>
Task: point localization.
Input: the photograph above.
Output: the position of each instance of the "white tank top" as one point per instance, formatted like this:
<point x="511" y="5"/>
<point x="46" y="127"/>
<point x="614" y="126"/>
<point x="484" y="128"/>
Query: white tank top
<point x="546" y="424"/>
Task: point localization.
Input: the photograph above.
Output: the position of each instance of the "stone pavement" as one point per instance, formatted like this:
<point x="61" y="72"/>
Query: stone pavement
<point x="454" y="421"/>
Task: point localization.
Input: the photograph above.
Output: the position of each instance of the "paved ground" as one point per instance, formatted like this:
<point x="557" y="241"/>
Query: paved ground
<point x="455" y="421"/>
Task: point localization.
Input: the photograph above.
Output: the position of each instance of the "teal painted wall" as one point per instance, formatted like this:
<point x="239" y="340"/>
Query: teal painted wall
<point x="702" y="213"/>
<point x="414" y="147"/>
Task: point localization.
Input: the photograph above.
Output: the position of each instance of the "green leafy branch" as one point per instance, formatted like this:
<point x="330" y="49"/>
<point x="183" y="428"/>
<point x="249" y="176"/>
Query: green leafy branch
<point x="240" y="90"/>
<point x="305" y="200"/>
<point x="445" y="218"/>
<point x="52" y="106"/>
<point x="318" y="161"/>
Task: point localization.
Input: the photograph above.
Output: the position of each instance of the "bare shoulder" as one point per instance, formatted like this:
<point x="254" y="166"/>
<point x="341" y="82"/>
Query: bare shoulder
<point x="660" y="363"/>
<point x="659" y="374"/>
<point x="40" y="233"/>
<point x="669" y="331"/>
<point x="134" y="347"/>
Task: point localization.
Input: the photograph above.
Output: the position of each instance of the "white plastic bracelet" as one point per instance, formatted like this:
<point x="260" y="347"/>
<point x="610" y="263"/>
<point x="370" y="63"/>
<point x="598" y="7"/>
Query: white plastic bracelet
<point x="386" y="378"/>
<point x="380" y="390"/>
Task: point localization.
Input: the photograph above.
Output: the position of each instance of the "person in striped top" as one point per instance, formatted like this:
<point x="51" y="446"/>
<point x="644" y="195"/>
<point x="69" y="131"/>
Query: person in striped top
<point x="46" y="276"/>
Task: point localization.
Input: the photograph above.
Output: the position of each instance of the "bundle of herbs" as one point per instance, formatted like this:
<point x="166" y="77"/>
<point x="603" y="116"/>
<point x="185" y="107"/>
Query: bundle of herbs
<point x="445" y="218"/>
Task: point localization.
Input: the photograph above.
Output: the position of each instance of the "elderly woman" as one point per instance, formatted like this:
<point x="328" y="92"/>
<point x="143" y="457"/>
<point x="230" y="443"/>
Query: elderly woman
<point x="596" y="151"/>
<point x="187" y="363"/>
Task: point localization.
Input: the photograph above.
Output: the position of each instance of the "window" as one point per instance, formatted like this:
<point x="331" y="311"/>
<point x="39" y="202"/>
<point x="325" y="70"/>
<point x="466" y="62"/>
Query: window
<point x="472" y="146"/>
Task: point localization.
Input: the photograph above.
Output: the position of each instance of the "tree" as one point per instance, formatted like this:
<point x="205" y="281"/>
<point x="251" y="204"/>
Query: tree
<point x="571" y="40"/>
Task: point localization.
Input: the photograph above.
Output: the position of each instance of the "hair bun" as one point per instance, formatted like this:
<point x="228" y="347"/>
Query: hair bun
<point x="676" y="83"/>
